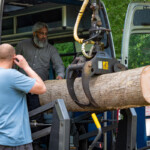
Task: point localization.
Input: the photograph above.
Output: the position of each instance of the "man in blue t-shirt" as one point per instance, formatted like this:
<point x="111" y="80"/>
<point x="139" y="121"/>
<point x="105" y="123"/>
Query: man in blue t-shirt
<point x="15" y="133"/>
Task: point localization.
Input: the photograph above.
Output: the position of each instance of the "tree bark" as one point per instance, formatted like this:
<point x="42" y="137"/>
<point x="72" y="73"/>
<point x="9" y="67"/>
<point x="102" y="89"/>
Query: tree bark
<point x="113" y="91"/>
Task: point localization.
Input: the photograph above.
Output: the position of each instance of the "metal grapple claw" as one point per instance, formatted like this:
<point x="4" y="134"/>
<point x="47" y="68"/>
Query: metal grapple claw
<point x="86" y="76"/>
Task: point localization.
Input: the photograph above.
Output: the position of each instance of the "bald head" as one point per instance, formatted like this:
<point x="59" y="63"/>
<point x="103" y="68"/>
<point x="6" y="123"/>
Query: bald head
<point x="6" y="52"/>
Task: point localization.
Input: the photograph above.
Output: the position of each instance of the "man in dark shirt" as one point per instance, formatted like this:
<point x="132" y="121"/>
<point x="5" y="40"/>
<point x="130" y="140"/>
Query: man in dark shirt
<point x="38" y="53"/>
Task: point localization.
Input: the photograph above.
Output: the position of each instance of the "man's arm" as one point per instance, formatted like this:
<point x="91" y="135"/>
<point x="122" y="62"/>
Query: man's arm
<point x="39" y="86"/>
<point x="57" y="63"/>
<point x="59" y="77"/>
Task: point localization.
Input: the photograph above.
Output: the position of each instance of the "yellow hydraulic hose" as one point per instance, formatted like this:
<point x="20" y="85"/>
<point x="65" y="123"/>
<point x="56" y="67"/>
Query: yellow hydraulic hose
<point x="80" y="14"/>
<point x="96" y="120"/>
<point x="98" y="125"/>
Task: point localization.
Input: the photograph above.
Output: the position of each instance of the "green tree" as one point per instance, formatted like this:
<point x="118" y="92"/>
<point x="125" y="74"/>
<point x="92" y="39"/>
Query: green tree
<point x="64" y="48"/>
<point x="139" y="52"/>
<point x="116" y="13"/>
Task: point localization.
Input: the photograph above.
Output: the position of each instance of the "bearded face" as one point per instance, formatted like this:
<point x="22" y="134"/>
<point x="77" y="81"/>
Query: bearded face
<point x="40" y="37"/>
<point x="41" y="43"/>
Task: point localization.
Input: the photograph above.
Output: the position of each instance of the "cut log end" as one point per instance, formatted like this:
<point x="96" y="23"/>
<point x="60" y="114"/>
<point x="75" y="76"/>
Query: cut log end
<point x="145" y="83"/>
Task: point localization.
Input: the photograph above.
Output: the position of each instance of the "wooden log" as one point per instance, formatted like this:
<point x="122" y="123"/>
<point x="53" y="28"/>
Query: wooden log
<point x="113" y="91"/>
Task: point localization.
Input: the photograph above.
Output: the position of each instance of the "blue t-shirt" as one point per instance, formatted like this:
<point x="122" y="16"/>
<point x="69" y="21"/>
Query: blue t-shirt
<point x="14" y="118"/>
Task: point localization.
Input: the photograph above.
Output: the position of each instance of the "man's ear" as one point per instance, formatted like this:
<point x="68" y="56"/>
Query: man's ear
<point x="13" y="57"/>
<point x="34" y="34"/>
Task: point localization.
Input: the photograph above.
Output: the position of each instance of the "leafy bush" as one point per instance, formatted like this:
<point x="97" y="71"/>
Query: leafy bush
<point x="64" y="48"/>
<point x="139" y="51"/>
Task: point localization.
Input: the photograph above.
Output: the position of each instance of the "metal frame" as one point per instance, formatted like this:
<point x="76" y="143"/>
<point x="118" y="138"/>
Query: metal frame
<point x="131" y="128"/>
<point x="64" y="132"/>
<point x="82" y="137"/>
<point x="126" y="138"/>
<point x="62" y="117"/>
<point x="64" y="30"/>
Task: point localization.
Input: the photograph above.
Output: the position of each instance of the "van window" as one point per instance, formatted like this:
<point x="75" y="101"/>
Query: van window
<point x="139" y="50"/>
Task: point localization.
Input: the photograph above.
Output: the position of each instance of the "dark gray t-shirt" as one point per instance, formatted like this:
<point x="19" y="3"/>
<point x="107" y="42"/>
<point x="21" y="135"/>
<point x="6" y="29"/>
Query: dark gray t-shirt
<point x="39" y="58"/>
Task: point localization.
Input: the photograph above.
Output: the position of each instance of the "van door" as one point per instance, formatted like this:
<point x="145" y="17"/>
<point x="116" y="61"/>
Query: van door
<point x="136" y="53"/>
<point x="1" y="14"/>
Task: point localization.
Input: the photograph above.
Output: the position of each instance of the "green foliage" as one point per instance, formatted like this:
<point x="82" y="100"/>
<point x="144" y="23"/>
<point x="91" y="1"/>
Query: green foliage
<point x="139" y="51"/>
<point x="64" y="48"/>
<point x="116" y="10"/>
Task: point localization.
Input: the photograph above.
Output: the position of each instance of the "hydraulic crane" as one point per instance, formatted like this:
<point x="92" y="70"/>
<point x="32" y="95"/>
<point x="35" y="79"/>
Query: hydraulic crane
<point x="97" y="61"/>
